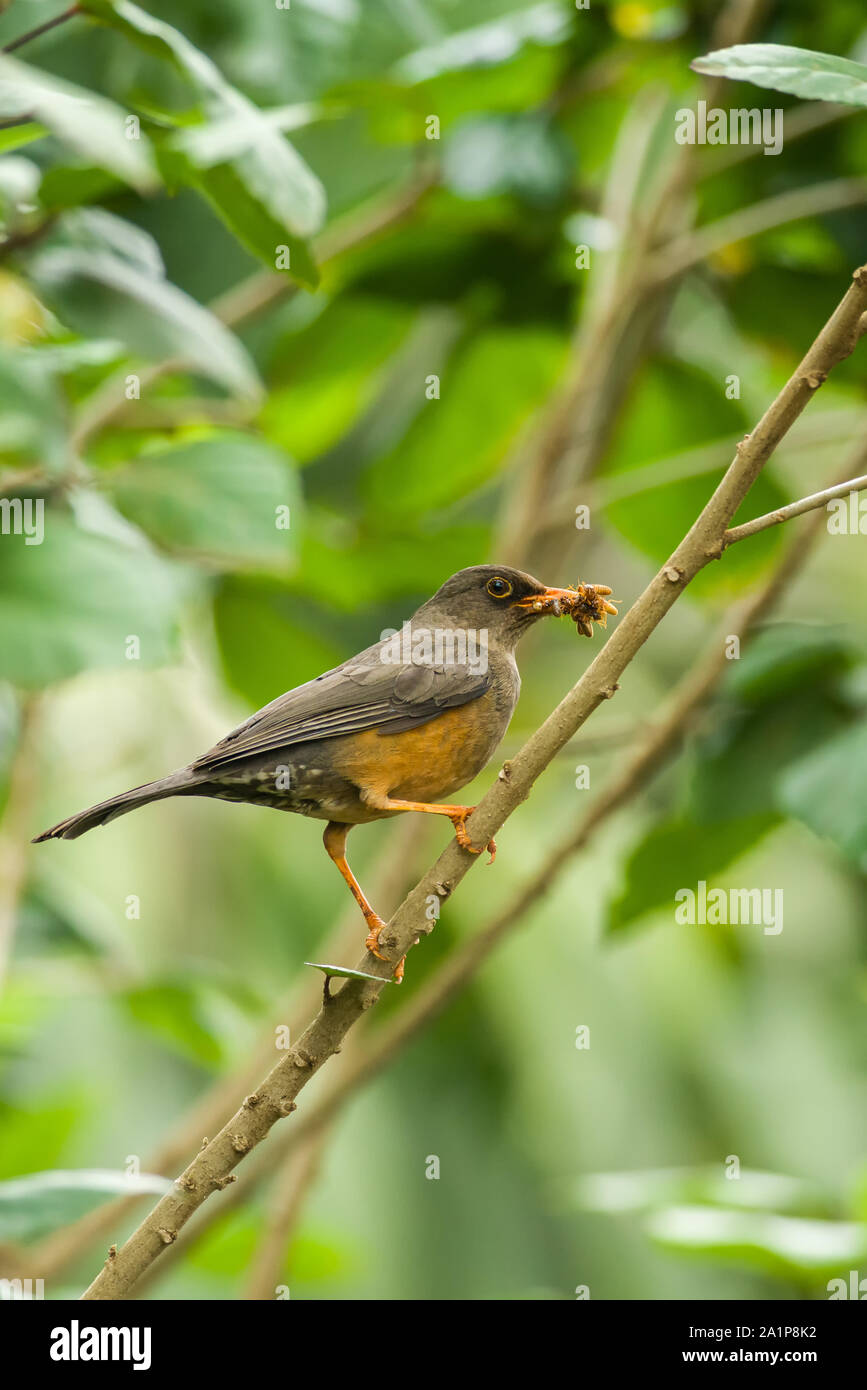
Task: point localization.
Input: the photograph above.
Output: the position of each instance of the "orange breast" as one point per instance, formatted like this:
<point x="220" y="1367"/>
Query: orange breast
<point x="427" y="763"/>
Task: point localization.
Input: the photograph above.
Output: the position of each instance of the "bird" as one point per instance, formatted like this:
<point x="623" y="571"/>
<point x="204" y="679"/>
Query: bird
<point x="400" y="727"/>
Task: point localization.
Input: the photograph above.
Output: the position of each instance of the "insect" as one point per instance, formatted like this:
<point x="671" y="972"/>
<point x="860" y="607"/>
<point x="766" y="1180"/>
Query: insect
<point x="586" y="604"/>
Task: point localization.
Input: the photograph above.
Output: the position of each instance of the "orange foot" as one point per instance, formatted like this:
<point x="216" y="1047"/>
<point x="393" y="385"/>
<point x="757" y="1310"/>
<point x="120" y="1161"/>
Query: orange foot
<point x="459" y="821"/>
<point x="376" y="925"/>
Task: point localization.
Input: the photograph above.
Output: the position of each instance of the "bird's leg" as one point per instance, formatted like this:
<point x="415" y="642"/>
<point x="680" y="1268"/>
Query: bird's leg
<point x="456" y="814"/>
<point x="334" y="840"/>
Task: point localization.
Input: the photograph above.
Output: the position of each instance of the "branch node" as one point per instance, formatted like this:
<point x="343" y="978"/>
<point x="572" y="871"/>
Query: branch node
<point x="252" y="1100"/>
<point x="186" y="1183"/>
<point x="860" y="276"/>
<point x="673" y="573"/>
<point x="223" y="1183"/>
<point x="286" y="1107"/>
<point x="112" y="1255"/>
<point x="815" y="379"/>
<point x="610" y="691"/>
<point x="505" y="772"/>
<point x="166" y="1236"/>
<point x="443" y="889"/>
<point x="715" y="551"/>
<point x="302" y="1059"/>
<point x="240" y="1143"/>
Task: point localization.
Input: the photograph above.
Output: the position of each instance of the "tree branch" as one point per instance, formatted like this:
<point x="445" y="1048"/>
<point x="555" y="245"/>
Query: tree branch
<point x="806" y="504"/>
<point x="214" y="1167"/>
<point x="659" y="743"/>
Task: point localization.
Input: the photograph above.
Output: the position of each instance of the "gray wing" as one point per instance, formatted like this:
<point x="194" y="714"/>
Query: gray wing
<point x="364" y="693"/>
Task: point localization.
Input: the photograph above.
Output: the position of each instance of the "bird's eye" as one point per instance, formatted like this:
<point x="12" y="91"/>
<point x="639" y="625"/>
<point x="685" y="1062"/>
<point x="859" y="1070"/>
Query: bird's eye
<point x="498" y="587"/>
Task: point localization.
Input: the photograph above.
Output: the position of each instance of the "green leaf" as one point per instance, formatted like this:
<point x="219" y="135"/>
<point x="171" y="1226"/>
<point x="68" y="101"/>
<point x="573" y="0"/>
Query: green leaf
<point x="197" y="1016"/>
<point x="649" y="1188"/>
<point x="104" y="295"/>
<point x="217" y="497"/>
<point x="344" y="973"/>
<point x="96" y="230"/>
<point x="228" y="136"/>
<point x="69" y="186"/>
<point x="327" y="374"/>
<point x="679" y="854"/>
<point x="19" y="192"/>
<point x="88" y="123"/>
<point x="489" y="44"/>
<point x="491" y="385"/>
<point x="18" y="135"/>
<point x="787" y="1247"/>
<point x="250" y="221"/>
<point x="173" y="1014"/>
<point x="275" y="177"/>
<point x="40" y="1133"/>
<point x="34" y="425"/>
<point x="70" y="603"/>
<point x="786" y="658"/>
<point x="800" y="71"/>
<point x="41" y="1202"/>
<point x="827" y="790"/>
<point x="735" y="768"/>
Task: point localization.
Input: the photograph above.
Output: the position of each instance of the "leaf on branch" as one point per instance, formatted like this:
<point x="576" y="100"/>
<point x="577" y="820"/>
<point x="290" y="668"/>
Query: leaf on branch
<point x="678" y="854"/>
<point x="103" y="294"/>
<point x="786" y="1246"/>
<point x="346" y="974"/>
<point x="800" y="71"/>
<point x="40" y="1202"/>
<point x="75" y="608"/>
<point x="270" y="174"/>
<point x="87" y="123"/>
<point x="217" y="497"/>
<point x="827" y="790"/>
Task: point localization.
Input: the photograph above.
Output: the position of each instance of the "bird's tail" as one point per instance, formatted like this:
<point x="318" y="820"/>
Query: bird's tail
<point x="173" y="785"/>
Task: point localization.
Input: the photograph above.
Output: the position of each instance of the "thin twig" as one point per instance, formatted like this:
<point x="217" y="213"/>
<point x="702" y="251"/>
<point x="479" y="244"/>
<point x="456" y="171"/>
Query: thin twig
<point x="764" y="216"/>
<point x="806" y="504"/>
<point x="41" y="29"/>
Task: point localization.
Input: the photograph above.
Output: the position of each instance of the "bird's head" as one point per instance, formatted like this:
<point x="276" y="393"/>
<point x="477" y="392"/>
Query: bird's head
<point x="507" y="602"/>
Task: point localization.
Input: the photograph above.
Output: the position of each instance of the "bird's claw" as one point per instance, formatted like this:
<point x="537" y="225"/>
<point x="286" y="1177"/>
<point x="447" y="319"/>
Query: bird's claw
<point x="462" y="836"/>
<point x="376" y="925"/>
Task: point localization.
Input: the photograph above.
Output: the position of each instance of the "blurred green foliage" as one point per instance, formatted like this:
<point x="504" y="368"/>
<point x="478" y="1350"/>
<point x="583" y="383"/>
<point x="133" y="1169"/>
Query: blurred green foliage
<point x="237" y="498"/>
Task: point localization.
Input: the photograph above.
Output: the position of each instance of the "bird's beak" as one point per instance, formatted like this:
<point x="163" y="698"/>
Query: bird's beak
<point x="553" y="601"/>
